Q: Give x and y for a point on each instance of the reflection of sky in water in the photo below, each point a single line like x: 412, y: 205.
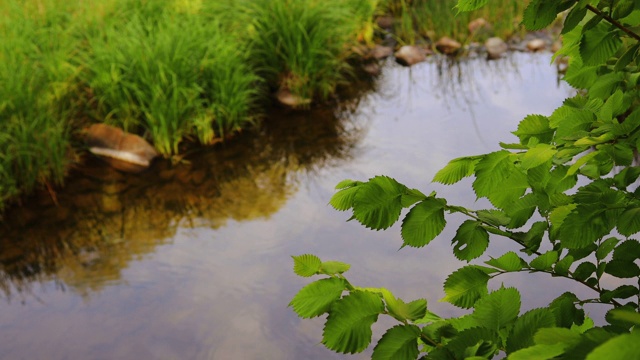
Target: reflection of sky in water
x: 223, y: 293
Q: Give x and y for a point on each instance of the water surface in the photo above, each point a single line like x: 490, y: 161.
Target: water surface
x: 192, y: 261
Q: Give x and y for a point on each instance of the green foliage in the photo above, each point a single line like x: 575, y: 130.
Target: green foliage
x: 575, y: 171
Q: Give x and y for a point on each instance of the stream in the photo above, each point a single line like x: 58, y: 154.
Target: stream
x: 192, y: 261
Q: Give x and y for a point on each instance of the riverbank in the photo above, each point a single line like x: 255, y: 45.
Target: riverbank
x: 175, y: 73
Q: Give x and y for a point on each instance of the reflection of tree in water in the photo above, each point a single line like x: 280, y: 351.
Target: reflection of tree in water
x: 104, y: 220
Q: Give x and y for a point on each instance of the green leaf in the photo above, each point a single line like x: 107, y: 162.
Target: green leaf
x: 606, y: 85
x: 626, y: 177
x: 538, y: 352
x: 343, y: 199
x: 456, y: 170
x: 534, y: 126
x: 625, y: 315
x: 411, y: 196
x: 557, y: 335
x: 347, y: 184
x: 538, y: 155
x: 498, y: 178
x: 377, y: 204
x: 526, y: 326
x: 622, y: 269
x: 423, y: 222
x: 565, y: 310
x: 585, y: 225
x: 628, y: 250
x: 477, y: 341
x: 606, y: 247
x: 629, y: 222
x: 471, y: 240
x: 470, y: 5
x: 584, y: 270
x: 627, y: 57
x: 465, y: 286
x: 621, y: 292
x: 612, y: 107
x: 562, y: 266
x: 510, y: 261
x: 583, y: 160
x: 306, y: 265
x: 574, y: 17
x: 399, y: 342
x: 498, y: 309
x: 626, y: 346
x: 581, y: 76
x: 539, y: 14
x: 333, y: 267
x: 348, y: 326
x: 545, y: 261
x: 493, y: 217
x: 317, y: 297
x: 402, y: 311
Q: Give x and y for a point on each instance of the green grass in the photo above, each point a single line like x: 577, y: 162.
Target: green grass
x: 437, y: 18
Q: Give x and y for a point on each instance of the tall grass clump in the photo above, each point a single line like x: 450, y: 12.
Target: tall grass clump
x: 170, y: 74
x: 303, y: 45
x: 37, y: 87
x: 429, y: 18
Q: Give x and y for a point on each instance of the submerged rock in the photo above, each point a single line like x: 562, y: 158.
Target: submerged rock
x: 123, y: 151
x: 380, y: 52
x: 409, y: 55
x: 287, y: 98
x: 495, y: 47
x: 536, y: 45
x: 448, y: 46
x: 372, y: 68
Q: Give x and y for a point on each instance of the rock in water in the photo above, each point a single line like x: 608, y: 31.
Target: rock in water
x: 495, y: 47
x: 287, y: 98
x: 409, y: 55
x: 536, y: 45
x: 123, y: 151
x: 380, y: 52
x: 448, y: 46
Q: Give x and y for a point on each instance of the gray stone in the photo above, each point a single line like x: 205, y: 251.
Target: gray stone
x: 409, y: 55
x: 495, y: 47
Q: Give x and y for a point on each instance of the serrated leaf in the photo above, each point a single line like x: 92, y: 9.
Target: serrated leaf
x: 317, y: 297
x: 534, y: 126
x: 584, y: 225
x: 494, y: 217
x: 456, y: 170
x: 562, y: 266
x: 333, y: 267
x: 348, y: 326
x: 621, y: 292
x: 584, y: 270
x: 498, y: 309
x: 538, y: 352
x: 622, y: 269
x: 606, y: 247
x: 465, y: 286
x: 306, y: 265
x: 574, y: 17
x: 499, y: 180
x: 402, y: 311
x: 477, y: 341
x: 539, y: 14
x: 557, y: 335
x: 399, y: 342
x: 625, y: 315
x: 510, y: 261
x: 423, y: 223
x: 347, y: 183
x: 377, y: 204
x: 470, y: 5
x: 538, y: 155
x: 612, y: 107
x: 526, y: 326
x: 626, y: 346
x: 411, y: 196
x: 565, y: 310
x: 606, y: 85
x: 545, y: 261
x: 629, y: 222
x: 581, y: 76
x: 471, y: 240
x: 628, y: 250
x: 580, y: 162
x: 627, y: 57
x: 343, y: 199
x: 626, y: 177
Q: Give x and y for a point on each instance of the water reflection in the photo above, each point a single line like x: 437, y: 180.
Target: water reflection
x: 192, y: 261
x: 104, y: 219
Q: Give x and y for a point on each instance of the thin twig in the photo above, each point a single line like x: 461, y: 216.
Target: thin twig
x: 613, y: 21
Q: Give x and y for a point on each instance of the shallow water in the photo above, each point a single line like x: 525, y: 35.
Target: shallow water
x: 193, y: 261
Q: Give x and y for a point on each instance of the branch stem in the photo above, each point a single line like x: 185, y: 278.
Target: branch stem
x: 613, y: 21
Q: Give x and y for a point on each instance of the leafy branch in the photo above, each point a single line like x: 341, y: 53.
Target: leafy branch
x: 594, y: 137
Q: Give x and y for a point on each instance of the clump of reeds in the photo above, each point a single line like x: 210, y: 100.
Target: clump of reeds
x: 303, y: 45
x: 170, y: 74
x: 427, y: 18
x: 37, y: 83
